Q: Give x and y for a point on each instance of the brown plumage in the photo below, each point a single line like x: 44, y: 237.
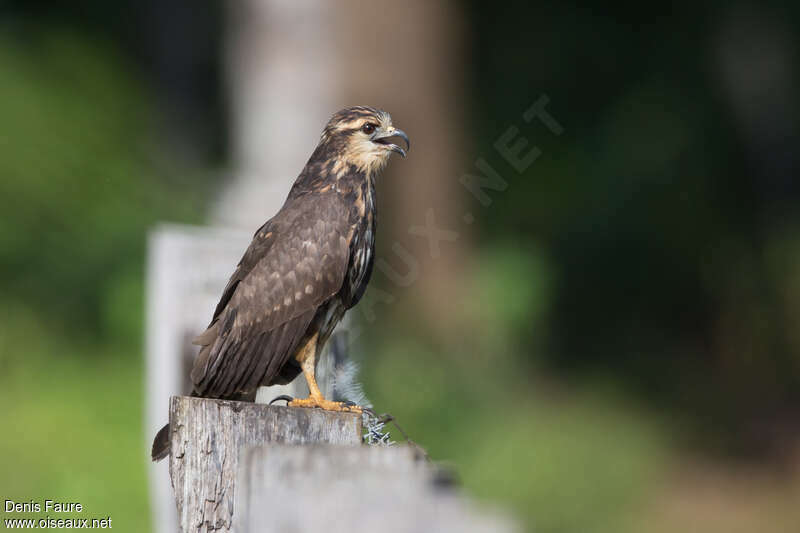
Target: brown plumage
x: 305, y: 267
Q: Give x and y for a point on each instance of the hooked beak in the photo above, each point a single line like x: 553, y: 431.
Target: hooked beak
x: 382, y: 136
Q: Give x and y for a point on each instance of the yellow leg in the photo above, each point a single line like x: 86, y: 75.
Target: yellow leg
x: 307, y: 356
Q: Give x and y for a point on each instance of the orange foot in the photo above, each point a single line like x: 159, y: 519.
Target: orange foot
x: 327, y: 405
x: 321, y: 403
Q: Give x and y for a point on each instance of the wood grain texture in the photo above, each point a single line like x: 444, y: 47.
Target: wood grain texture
x: 334, y: 489
x: 207, y: 436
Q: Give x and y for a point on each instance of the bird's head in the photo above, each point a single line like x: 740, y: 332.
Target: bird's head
x: 363, y: 137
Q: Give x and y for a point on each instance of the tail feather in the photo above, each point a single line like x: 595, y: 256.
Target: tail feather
x: 161, y: 444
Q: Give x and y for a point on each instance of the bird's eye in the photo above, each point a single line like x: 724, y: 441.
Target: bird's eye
x: 368, y: 128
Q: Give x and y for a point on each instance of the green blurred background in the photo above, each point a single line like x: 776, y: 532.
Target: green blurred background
x: 620, y: 349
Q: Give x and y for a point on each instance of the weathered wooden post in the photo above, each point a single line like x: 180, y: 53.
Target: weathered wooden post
x: 253, y: 468
x: 208, y: 436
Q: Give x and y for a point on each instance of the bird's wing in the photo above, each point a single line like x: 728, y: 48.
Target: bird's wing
x: 296, y: 262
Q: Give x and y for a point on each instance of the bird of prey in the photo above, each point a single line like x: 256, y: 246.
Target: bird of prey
x: 305, y: 267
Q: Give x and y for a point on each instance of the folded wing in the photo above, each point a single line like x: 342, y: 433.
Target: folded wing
x: 296, y: 262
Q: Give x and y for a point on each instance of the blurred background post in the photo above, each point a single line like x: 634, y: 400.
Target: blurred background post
x: 286, y: 66
x: 275, y: 63
x: 595, y: 324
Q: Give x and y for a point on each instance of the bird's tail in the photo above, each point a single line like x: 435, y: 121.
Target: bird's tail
x: 161, y: 444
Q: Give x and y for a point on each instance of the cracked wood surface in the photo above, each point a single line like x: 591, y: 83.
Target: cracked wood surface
x: 208, y: 435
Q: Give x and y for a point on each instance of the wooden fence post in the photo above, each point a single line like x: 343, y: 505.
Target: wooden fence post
x: 207, y: 436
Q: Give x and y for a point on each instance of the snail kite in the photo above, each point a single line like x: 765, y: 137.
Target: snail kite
x: 305, y: 267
